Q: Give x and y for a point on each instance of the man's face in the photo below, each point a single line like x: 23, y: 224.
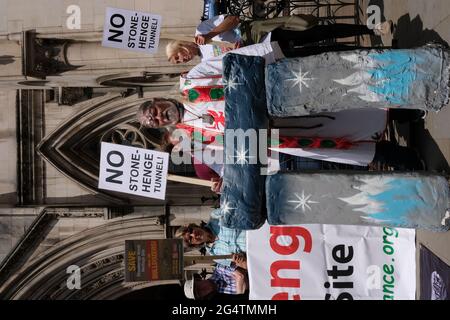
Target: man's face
x: 162, y: 113
x: 196, y: 236
x: 182, y: 56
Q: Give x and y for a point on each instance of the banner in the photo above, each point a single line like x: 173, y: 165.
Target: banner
x: 131, y: 30
x: 152, y: 260
x: 133, y: 170
x: 331, y: 262
x: 434, y: 277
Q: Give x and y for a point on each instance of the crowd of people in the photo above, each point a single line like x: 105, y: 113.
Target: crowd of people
x: 198, y: 110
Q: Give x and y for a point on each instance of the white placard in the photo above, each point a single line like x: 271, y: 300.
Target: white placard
x: 328, y: 262
x: 133, y: 170
x: 131, y: 30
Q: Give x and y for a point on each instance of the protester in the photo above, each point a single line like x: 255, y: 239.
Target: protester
x: 296, y: 35
x: 179, y: 51
x: 212, y: 66
x: 217, y: 240
x: 300, y: 29
x: 227, y: 280
x: 183, y: 51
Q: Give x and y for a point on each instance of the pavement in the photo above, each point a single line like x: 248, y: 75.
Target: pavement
x: 417, y: 23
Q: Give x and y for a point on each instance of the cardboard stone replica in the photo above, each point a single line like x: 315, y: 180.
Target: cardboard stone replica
x: 406, y: 78
x: 416, y: 79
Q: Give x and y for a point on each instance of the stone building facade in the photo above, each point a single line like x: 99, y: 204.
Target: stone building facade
x: 61, y: 94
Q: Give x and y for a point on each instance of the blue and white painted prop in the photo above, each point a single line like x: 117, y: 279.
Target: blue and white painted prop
x: 242, y: 203
x: 410, y: 79
x: 411, y: 200
x: 404, y: 200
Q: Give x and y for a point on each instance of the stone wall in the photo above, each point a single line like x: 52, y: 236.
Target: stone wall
x: 8, y: 148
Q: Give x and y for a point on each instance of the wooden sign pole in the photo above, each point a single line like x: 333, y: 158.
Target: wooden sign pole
x: 189, y: 39
x: 199, y: 262
x: 189, y: 180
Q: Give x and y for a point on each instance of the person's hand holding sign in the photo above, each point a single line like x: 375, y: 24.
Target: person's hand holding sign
x: 228, y: 24
x: 241, y: 279
x: 240, y: 260
x: 217, y: 185
x: 202, y: 39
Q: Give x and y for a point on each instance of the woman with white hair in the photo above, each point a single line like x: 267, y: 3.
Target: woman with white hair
x: 178, y: 51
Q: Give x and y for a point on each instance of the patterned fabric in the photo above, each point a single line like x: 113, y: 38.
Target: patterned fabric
x: 201, y: 135
x: 224, y: 278
x: 213, y: 223
x: 314, y: 143
x: 228, y: 241
x: 203, y: 94
x: 187, y: 83
x: 204, y: 117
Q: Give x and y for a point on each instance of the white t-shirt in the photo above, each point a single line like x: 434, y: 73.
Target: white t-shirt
x: 271, y: 52
x: 210, y: 51
x: 208, y: 25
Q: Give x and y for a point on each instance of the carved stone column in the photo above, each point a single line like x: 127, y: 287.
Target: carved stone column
x: 44, y: 57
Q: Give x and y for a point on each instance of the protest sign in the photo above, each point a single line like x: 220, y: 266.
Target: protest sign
x: 131, y: 30
x: 133, y: 170
x: 331, y: 262
x: 153, y: 260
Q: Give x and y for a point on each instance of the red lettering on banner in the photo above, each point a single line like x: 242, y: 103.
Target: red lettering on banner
x: 283, y: 282
x: 285, y: 296
x: 293, y: 233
